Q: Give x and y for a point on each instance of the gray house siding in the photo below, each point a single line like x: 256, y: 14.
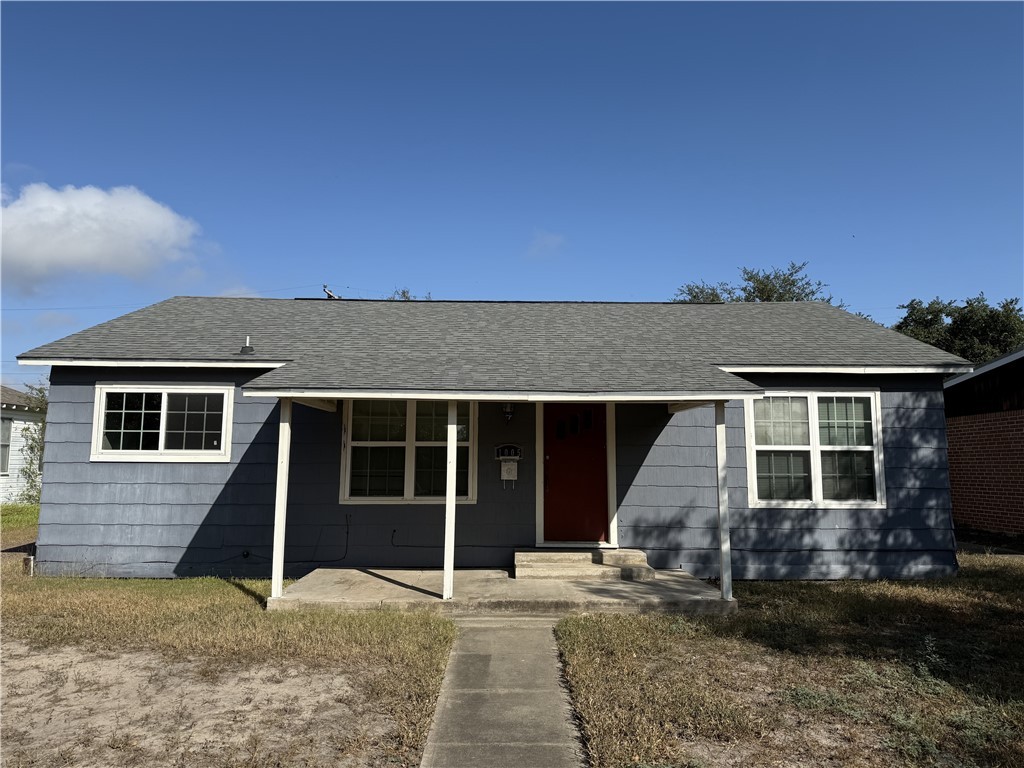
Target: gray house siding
x: 151, y: 519
x: 184, y: 519
x: 667, y: 495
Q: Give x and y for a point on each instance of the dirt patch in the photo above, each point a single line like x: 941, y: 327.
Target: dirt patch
x: 67, y: 706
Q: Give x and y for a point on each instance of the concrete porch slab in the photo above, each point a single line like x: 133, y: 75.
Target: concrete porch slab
x: 490, y: 591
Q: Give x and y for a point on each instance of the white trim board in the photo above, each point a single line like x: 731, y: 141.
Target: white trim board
x: 854, y: 369
x: 505, y: 397
x: 83, y: 363
x: 991, y: 365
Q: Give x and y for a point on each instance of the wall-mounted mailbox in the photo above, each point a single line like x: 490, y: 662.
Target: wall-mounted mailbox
x: 509, y: 455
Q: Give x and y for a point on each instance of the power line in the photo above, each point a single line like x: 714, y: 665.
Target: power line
x: 47, y: 309
x: 137, y: 306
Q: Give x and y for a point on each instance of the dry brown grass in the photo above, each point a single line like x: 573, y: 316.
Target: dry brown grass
x: 219, y: 630
x: 18, y: 524
x: 837, y: 673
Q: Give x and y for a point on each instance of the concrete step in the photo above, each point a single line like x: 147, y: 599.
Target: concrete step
x: 637, y: 572
x: 573, y: 571
x: 554, y: 556
x: 621, y: 557
x: 584, y: 564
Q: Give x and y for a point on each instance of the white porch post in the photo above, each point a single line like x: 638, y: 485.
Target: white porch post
x: 284, y: 444
x: 449, y: 503
x: 723, y: 502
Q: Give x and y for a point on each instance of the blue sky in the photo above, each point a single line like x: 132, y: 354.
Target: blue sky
x: 503, y: 151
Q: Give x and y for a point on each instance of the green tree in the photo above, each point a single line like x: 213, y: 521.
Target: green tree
x: 404, y: 294
x: 776, y: 284
x: 976, y: 330
x: 35, y: 437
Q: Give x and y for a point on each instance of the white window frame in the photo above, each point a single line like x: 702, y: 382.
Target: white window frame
x: 410, y: 443
x: 6, y: 471
x: 99, y: 453
x: 817, y: 500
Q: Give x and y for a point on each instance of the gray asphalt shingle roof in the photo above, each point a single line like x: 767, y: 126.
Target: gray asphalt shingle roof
x: 496, y: 346
x: 16, y: 399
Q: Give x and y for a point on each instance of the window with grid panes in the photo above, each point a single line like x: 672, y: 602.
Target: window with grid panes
x: 847, y: 448
x: 398, y: 449
x: 150, y: 422
x: 816, y: 447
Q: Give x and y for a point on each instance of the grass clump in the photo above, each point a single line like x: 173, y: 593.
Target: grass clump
x: 812, y: 673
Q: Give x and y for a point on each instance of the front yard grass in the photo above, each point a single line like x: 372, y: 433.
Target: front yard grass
x: 196, y: 636
x: 826, y: 674
x: 18, y: 523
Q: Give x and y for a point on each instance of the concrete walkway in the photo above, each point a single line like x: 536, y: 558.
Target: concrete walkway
x: 502, y: 704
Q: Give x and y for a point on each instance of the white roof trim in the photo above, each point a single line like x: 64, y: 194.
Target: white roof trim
x: 991, y: 365
x: 857, y: 369
x: 152, y: 363
x: 514, y: 397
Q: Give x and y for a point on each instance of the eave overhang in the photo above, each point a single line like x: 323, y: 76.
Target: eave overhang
x: 91, y: 362
x: 945, y: 368
x: 507, y: 396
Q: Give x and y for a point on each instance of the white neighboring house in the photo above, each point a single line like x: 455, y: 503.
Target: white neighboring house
x: 16, y: 413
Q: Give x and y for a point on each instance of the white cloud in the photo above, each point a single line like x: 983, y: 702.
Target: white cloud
x: 48, y: 233
x: 545, y: 245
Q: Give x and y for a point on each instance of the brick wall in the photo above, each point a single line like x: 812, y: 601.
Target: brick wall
x: 986, y: 470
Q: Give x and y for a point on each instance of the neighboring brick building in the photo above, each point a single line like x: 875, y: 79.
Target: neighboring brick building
x: 985, y: 430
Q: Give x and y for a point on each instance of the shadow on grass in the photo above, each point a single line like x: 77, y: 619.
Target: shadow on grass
x: 20, y: 549
x: 248, y: 591
x: 967, y: 631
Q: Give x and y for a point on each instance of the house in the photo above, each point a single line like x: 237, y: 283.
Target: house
x: 985, y: 418
x: 19, y: 412
x: 268, y: 437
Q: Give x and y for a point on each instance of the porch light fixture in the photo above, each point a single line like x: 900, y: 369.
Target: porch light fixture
x: 508, y: 409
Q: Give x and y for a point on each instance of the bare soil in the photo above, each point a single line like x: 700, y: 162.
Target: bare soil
x: 69, y: 706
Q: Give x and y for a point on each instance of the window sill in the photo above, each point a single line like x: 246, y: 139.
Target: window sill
x: 162, y: 458
x: 824, y: 504
x: 397, y: 500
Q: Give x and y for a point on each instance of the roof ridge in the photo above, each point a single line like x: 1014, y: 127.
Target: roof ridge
x: 400, y: 302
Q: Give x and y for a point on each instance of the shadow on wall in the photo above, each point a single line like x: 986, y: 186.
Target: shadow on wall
x: 236, y: 536
x: 667, y: 498
x: 666, y: 492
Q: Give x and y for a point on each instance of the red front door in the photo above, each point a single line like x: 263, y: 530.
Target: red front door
x: 575, y: 472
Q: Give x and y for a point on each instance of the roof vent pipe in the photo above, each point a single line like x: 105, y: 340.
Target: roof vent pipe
x: 247, y: 349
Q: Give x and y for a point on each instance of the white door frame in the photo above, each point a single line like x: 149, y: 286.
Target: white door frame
x: 613, y: 507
